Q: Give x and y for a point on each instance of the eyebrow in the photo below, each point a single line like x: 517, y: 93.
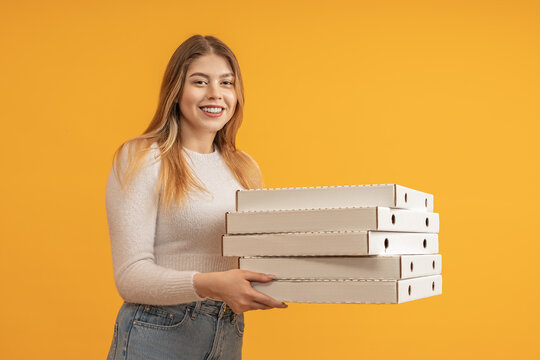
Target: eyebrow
x: 206, y: 76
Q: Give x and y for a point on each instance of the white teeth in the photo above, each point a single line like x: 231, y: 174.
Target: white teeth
x: 212, y: 110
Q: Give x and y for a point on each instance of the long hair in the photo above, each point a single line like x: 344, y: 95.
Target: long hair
x: 176, y: 178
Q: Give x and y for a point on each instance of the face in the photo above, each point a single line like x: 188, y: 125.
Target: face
x: 208, y: 100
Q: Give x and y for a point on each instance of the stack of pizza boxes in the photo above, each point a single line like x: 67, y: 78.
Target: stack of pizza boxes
x: 338, y: 244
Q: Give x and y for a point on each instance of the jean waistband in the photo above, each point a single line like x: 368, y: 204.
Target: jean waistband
x: 211, y: 307
x: 208, y: 306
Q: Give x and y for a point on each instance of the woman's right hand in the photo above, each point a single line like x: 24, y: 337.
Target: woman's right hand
x: 234, y: 288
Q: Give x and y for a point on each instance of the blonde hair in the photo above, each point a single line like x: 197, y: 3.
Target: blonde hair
x: 175, y: 178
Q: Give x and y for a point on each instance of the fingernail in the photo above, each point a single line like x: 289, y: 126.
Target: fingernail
x: 284, y: 305
x: 271, y: 276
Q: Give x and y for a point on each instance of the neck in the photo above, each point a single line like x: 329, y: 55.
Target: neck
x: 199, y: 142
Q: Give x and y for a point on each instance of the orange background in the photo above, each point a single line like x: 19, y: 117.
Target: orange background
x: 440, y: 96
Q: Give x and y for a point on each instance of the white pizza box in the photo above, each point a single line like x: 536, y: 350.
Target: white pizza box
x: 346, y: 267
x: 330, y: 243
x: 331, y: 219
x: 352, y: 291
x: 387, y: 195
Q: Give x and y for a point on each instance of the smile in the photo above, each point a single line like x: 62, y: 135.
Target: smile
x: 212, y: 111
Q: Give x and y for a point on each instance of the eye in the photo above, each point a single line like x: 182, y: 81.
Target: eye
x: 228, y: 82
x: 198, y: 82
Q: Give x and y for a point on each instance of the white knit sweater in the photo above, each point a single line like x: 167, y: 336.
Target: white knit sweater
x: 156, y: 255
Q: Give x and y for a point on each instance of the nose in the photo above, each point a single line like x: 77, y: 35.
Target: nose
x: 213, y: 91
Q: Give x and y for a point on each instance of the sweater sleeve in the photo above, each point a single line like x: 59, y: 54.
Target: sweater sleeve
x: 131, y: 217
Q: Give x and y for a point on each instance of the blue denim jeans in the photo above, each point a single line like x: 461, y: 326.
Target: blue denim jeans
x: 199, y: 330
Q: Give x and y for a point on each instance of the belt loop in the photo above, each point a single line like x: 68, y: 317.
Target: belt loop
x: 222, y: 310
x: 196, y: 310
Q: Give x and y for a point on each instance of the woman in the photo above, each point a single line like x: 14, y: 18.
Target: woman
x: 166, y: 199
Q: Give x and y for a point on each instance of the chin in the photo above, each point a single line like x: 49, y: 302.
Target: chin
x: 216, y: 127
x: 213, y: 129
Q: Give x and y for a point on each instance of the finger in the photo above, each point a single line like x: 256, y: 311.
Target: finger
x: 252, y: 306
x: 267, y: 300
x: 258, y: 277
x: 259, y: 306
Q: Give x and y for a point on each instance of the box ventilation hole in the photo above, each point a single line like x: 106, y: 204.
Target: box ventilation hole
x: 433, y: 286
x: 405, y: 197
x: 410, y: 289
x: 427, y: 222
x: 433, y: 264
x: 424, y: 243
x: 393, y: 219
x: 411, y: 266
x: 425, y: 202
x: 386, y: 243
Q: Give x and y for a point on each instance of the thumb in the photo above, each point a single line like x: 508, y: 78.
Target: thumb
x: 259, y: 277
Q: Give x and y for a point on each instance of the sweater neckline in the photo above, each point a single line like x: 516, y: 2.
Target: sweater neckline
x: 202, y: 156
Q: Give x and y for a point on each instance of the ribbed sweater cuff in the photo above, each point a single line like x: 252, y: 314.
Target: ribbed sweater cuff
x: 197, y: 262
x: 183, y: 289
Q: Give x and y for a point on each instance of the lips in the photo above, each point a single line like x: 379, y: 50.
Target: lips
x: 212, y: 106
x: 212, y: 114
